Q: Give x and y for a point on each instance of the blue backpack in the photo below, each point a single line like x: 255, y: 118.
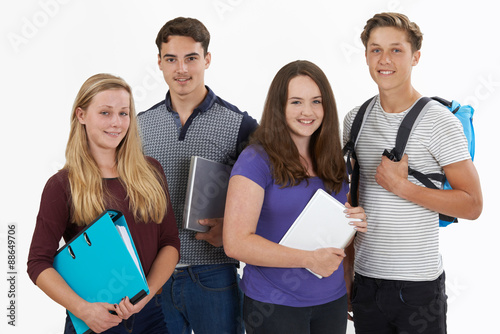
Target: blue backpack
x: 409, y: 122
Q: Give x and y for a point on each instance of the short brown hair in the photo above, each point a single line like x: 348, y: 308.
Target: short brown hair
x: 396, y: 20
x: 184, y: 26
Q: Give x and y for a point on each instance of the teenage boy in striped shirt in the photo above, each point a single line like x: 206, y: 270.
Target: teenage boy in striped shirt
x: 397, y: 278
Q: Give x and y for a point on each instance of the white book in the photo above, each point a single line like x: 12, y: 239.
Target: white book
x: 205, y: 193
x: 321, y: 224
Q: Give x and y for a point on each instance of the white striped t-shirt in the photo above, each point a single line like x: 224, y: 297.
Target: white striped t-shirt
x: 402, y: 242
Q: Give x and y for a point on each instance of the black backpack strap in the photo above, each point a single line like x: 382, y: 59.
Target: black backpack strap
x: 448, y: 218
x: 357, y: 124
x: 408, y: 124
x: 425, y: 179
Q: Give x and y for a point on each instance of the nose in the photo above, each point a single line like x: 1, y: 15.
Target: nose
x: 386, y: 58
x: 181, y: 66
x: 116, y: 120
x: 307, y: 109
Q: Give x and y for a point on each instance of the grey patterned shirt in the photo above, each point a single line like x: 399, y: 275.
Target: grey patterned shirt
x: 216, y: 130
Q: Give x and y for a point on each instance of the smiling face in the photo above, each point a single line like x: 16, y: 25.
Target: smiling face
x: 106, y: 120
x: 304, y: 108
x: 183, y: 63
x: 390, y: 59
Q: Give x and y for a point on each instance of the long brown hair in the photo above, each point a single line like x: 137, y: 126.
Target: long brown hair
x: 274, y: 136
x: 142, y: 180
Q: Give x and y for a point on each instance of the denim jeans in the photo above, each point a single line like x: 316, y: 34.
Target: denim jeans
x: 265, y: 318
x: 205, y: 299
x: 149, y: 320
x: 404, y: 307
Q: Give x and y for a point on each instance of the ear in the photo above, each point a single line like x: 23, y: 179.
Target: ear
x: 208, y: 60
x: 159, y: 61
x: 80, y: 115
x: 416, y: 58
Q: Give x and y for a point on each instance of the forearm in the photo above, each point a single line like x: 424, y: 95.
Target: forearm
x: 256, y: 250
x: 54, y: 286
x: 162, y: 268
x: 463, y: 201
x: 454, y: 202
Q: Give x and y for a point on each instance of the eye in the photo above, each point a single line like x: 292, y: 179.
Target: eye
x: 124, y: 113
x: 104, y: 113
x: 317, y: 101
x: 295, y: 102
x: 170, y: 60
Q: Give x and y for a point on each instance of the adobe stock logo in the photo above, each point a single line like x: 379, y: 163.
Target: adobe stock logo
x: 224, y: 6
x: 152, y: 80
x: 117, y: 283
x: 31, y: 26
x: 355, y: 48
x: 486, y: 88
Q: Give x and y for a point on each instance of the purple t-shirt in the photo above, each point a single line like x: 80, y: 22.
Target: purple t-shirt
x: 284, y: 286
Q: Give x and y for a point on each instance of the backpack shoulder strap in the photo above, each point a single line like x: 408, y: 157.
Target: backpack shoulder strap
x: 408, y: 124
x: 357, y: 124
x: 360, y: 118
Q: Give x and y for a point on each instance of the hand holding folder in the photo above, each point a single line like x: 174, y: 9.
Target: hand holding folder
x: 101, y: 264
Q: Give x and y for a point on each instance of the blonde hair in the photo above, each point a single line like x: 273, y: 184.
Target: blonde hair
x: 143, y: 182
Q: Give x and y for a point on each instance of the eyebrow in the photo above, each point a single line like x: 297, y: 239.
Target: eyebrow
x: 301, y: 98
x: 392, y: 44
x: 108, y: 106
x: 175, y: 56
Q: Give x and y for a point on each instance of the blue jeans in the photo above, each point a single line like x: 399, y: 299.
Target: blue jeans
x: 205, y: 299
x: 149, y: 320
x: 265, y: 318
x: 405, y: 307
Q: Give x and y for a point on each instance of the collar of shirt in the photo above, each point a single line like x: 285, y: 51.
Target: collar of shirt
x: 207, y: 103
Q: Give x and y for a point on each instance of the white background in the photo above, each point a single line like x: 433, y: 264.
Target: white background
x: 49, y: 47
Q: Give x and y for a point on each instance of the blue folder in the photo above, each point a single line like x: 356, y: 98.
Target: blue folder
x: 99, y: 265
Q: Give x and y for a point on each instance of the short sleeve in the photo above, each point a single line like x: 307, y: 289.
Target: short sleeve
x: 448, y: 143
x: 253, y: 163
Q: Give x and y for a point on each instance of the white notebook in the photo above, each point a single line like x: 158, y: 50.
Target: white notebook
x: 321, y: 224
x: 205, y: 193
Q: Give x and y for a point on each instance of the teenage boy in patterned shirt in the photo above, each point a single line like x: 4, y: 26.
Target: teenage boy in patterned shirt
x: 203, y: 294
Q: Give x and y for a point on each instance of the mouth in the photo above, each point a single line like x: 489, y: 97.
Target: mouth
x: 306, y: 121
x: 182, y: 80
x: 112, y: 134
x: 386, y: 72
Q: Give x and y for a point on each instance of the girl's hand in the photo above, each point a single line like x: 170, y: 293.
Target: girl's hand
x: 125, y: 309
x: 358, y: 213
x: 98, y: 317
x: 324, y: 261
